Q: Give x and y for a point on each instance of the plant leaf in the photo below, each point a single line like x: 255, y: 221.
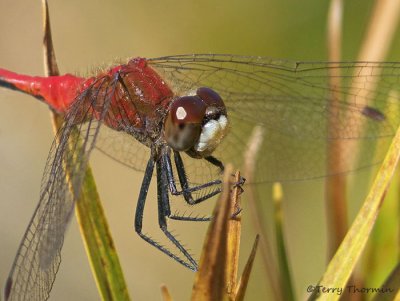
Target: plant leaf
x: 345, y: 259
x: 92, y: 222
x: 286, y: 278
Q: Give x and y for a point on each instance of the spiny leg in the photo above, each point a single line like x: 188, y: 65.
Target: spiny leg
x: 186, y: 190
x: 167, y: 166
x: 162, y: 210
x: 183, y: 178
x: 214, y: 161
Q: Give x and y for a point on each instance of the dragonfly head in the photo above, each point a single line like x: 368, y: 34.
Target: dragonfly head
x: 197, y: 123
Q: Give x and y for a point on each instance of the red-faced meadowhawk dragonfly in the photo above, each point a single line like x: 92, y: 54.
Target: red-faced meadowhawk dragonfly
x: 186, y: 116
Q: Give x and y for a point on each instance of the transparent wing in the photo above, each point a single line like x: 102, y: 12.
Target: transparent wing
x: 38, y: 258
x: 126, y: 150
x: 292, y: 101
x: 123, y: 148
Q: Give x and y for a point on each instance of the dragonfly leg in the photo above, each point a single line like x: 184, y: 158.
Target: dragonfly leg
x: 164, y: 212
x: 216, y: 162
x: 171, y: 179
x: 220, y: 165
x: 167, y: 167
x: 163, y: 208
x: 186, y: 190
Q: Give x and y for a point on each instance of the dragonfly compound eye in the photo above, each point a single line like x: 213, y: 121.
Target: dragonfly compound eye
x: 196, y: 124
x: 182, y: 127
x: 215, y: 104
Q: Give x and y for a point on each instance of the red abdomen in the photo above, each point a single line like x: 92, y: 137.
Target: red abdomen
x: 57, y: 91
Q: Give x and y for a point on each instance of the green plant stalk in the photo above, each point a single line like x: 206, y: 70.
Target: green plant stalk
x: 92, y: 221
x: 381, y: 252
x: 98, y: 243
x: 285, y: 276
x: 342, y: 265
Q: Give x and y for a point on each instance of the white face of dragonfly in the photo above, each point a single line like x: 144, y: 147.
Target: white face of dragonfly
x: 196, y: 124
x: 211, y: 134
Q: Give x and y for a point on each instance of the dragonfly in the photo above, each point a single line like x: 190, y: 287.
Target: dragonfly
x: 182, y: 118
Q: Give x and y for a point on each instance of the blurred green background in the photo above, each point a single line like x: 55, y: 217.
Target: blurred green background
x: 90, y: 33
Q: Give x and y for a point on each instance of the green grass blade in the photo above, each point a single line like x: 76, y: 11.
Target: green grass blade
x: 98, y: 243
x: 92, y: 221
x: 382, y: 250
x: 345, y: 259
x: 283, y: 260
